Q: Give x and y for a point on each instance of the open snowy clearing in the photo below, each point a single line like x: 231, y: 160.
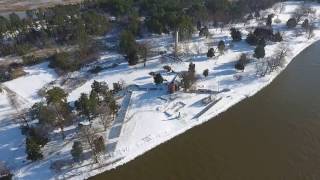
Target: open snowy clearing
x: 151, y: 116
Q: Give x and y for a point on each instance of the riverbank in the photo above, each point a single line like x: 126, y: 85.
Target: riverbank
x: 130, y: 151
x: 151, y: 116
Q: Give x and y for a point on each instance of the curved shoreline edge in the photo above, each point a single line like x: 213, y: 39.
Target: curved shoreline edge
x: 163, y: 139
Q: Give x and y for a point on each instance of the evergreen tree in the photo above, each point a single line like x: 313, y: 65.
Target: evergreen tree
x: 262, y: 42
x: 58, y: 108
x: 259, y: 52
x: 221, y: 47
x: 305, y: 25
x: 192, y: 68
x: 33, y: 150
x: 56, y: 95
x: 77, y: 151
x: 100, y: 87
x: 15, y: 21
x: 127, y: 43
x: 269, y: 19
x: 206, y: 73
x: 87, y: 105
x: 210, y: 53
x: 133, y: 58
x: 239, y: 66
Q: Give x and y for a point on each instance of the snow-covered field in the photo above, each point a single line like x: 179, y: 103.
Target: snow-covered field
x: 153, y: 116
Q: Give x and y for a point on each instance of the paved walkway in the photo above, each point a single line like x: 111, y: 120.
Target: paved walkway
x: 206, y: 108
x: 116, y: 128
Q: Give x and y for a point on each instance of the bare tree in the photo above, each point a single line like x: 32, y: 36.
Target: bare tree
x: 88, y: 135
x: 197, y: 47
x: 268, y: 65
x: 304, y: 10
x: 310, y: 31
x: 145, y: 49
x: 262, y: 68
x: 278, y: 59
x: 186, y: 47
x: 104, y: 115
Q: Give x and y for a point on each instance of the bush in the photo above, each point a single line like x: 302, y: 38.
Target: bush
x: 152, y: 73
x: 292, y: 23
x: 236, y: 34
x: 210, y: 53
x: 158, y: 79
x: 204, y: 32
x: 264, y: 32
x: 206, y: 73
x: 117, y: 87
x: 252, y: 39
x: 167, y: 68
x: 277, y: 37
x: 188, y: 79
x: 240, y: 65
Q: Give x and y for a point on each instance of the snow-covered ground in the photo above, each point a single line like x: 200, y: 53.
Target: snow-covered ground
x: 153, y: 116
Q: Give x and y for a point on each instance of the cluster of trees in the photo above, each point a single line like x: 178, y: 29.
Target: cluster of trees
x: 76, y: 24
x: 55, y: 112
x: 73, y: 60
x: 133, y: 51
x: 274, y: 62
x: 100, y: 103
x: 221, y: 48
x: 11, y: 71
x: 306, y: 12
x: 236, y: 34
x: 63, y: 24
x: 263, y: 34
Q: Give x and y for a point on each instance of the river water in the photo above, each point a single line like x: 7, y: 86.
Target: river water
x: 275, y: 135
